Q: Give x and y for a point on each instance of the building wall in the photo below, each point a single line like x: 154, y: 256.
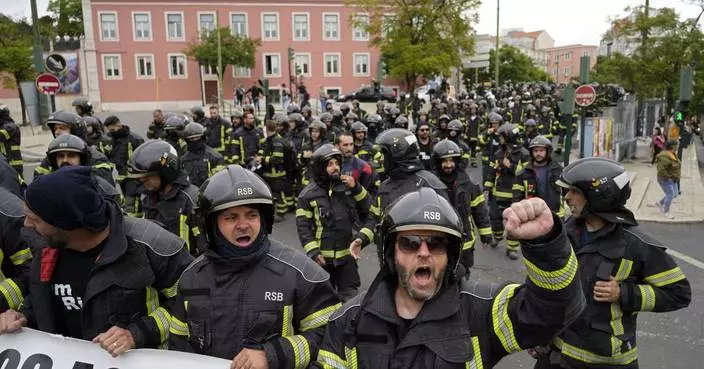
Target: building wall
x: 564, y: 61
x: 544, y: 41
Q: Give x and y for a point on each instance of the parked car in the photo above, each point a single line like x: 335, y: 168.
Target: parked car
x: 367, y: 94
x: 422, y: 93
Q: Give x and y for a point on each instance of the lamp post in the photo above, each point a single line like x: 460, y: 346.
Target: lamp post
x: 497, y: 53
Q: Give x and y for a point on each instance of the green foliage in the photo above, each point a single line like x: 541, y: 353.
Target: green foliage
x: 236, y: 50
x: 424, y: 38
x: 515, y: 66
x: 67, y: 17
x: 15, y: 52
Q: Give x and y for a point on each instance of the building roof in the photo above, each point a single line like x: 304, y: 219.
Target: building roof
x: 574, y: 46
x: 533, y: 34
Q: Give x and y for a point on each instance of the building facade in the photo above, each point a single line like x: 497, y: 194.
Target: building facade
x: 136, y: 50
x: 533, y: 44
x: 613, y: 41
x: 564, y: 61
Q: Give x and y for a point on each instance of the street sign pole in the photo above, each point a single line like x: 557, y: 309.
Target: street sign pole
x: 38, y: 60
x: 568, y: 95
x: 584, y: 79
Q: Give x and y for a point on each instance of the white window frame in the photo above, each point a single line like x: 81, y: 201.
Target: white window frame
x: 234, y: 75
x: 354, y: 65
x: 354, y: 29
x: 185, y: 66
x: 246, y: 23
x: 568, y: 72
x: 586, y: 53
x: 183, y: 26
x: 555, y: 71
x: 136, y: 66
x: 119, y: 66
x: 117, y: 26
x: 215, y: 23
x: 293, y: 26
x: 325, y: 38
x: 339, y: 65
x: 278, y: 27
x: 310, y: 64
x: 264, y: 55
x: 568, y: 56
x: 134, y: 27
x: 383, y: 17
x: 557, y: 57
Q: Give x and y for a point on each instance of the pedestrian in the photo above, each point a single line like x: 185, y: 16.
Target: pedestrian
x: 240, y: 94
x: 657, y: 144
x: 323, y: 97
x: 285, y: 97
x: 669, y: 167
x: 14, y: 271
x: 419, y: 313
x: 255, y: 94
x: 122, y: 145
x: 199, y: 161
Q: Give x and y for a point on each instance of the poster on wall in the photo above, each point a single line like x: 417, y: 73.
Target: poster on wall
x: 603, y: 137
x: 38, y: 350
x: 71, y: 77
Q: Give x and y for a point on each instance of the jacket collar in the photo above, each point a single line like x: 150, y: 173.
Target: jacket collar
x: 116, y: 243
x: 607, y: 241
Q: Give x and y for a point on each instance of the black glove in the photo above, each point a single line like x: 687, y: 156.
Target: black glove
x: 486, y: 239
x: 467, y: 260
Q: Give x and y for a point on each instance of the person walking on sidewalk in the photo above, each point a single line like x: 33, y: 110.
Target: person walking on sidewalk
x: 669, y: 167
x: 658, y: 144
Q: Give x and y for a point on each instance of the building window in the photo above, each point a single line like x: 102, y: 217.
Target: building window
x: 270, y: 26
x: 206, y: 23
x: 586, y: 53
x: 177, y: 66
x: 332, y: 92
x: 272, y: 65
x: 301, y: 63
x: 241, y: 72
x: 331, y: 26
x: 360, y: 32
x: 142, y: 26
x: 557, y: 57
x: 387, y: 24
x: 300, y: 27
x: 238, y: 23
x: 568, y: 56
x: 210, y: 70
x: 554, y: 71
x: 145, y: 66
x: 332, y: 65
x: 174, y: 27
x: 108, y: 27
x: 361, y: 65
x: 567, y: 71
x: 112, y: 66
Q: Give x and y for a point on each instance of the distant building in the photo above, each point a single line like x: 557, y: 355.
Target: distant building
x: 614, y: 42
x: 564, y: 61
x: 532, y: 44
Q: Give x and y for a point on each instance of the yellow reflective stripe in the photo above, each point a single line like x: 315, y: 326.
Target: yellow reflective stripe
x: 183, y: 230
x: 624, y: 270
x: 318, y: 318
x: 5, y: 133
x: 216, y: 169
x: 585, y: 356
x: 318, y: 225
x: 468, y: 245
x: 374, y: 209
x: 301, y: 351
x: 195, y: 231
x: 503, y: 328
x: 330, y: 360
x: 42, y: 170
x: 476, y: 362
x: 477, y: 201
x: 518, y: 187
x: 351, y: 356
x: 16, y: 162
x: 103, y: 166
x: 519, y: 166
x: 223, y: 138
x: 553, y: 280
x: 274, y: 174
x: 616, y: 323
x: 178, y: 327
x: 360, y: 196
x: 498, y: 193
x: 367, y: 232
x: 304, y: 213
x: 287, y: 327
x: 12, y: 293
x: 335, y: 254
x: 513, y: 245
x: 159, y: 314
x: 170, y: 292
x: 310, y: 246
x: 647, y: 297
x: 663, y: 278
x: 485, y: 231
x: 21, y: 257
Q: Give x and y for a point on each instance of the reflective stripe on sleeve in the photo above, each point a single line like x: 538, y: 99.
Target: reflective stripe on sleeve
x: 503, y: 327
x: 553, y: 280
x: 318, y: 318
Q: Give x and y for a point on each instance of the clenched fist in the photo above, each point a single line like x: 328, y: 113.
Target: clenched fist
x: 528, y: 219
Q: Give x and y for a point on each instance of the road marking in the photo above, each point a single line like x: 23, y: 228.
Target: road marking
x: 687, y: 258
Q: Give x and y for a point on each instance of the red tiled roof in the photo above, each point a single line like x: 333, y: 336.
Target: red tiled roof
x: 533, y: 34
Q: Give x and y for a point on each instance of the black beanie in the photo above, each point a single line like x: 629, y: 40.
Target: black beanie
x: 69, y: 199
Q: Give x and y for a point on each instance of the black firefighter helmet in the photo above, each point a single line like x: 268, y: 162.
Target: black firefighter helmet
x: 69, y: 143
x: 320, y: 160
x: 155, y: 157
x: 72, y: 120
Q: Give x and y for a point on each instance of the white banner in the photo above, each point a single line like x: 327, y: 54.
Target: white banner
x: 30, y: 349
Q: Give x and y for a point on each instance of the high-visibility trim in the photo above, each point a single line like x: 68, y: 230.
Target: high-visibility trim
x: 15, y: 148
x: 503, y: 327
x: 5, y: 133
x: 488, y: 184
x: 103, y: 166
x: 367, y: 232
x: 330, y: 360
x: 42, y: 170
x: 502, y: 194
x: 318, y: 318
x: 170, y: 292
x: 301, y: 351
x: 361, y: 195
x: 624, y: 270
x: 274, y: 174
x: 310, y: 246
x: 335, y: 254
x: 513, y: 245
x: 12, y: 293
x: 304, y: 213
x: 183, y: 230
x: 553, y: 280
x: 486, y: 231
x: 476, y: 362
x: 663, y: 278
x: 351, y: 356
x: 468, y: 245
x: 21, y: 257
x: 195, y: 231
x: 318, y: 224
x: 159, y: 314
x: 374, y: 209
x: 287, y: 327
x: 477, y: 201
x: 616, y: 323
x: 647, y: 297
x: 518, y: 187
x: 576, y: 353
x: 178, y: 327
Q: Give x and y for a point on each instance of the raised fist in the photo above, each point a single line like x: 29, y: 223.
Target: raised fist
x: 528, y: 219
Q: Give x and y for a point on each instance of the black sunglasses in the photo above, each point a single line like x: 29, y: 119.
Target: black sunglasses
x: 410, y: 244
x: 423, y: 130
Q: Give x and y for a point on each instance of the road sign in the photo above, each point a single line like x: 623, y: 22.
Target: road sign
x: 48, y: 83
x: 585, y: 95
x: 55, y: 63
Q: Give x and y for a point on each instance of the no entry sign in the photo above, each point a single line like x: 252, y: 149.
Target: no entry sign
x: 585, y: 95
x: 48, y: 83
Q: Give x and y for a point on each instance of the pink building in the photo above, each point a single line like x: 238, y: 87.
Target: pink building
x: 563, y: 61
x: 137, y: 49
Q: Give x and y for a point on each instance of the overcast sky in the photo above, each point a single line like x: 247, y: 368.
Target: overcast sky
x: 567, y: 21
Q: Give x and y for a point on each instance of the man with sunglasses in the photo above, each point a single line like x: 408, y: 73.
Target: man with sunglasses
x: 426, y: 142
x: 418, y: 313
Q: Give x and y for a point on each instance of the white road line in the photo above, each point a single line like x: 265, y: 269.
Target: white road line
x: 687, y: 258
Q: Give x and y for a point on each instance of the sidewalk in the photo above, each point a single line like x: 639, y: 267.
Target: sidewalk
x: 34, y: 144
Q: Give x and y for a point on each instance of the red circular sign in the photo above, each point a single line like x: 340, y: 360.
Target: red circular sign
x: 48, y: 83
x: 585, y: 95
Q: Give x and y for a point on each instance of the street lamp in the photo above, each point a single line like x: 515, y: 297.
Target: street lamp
x: 498, y: 59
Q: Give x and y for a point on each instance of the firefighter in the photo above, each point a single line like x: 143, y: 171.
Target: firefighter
x: 218, y: 133
x: 316, y: 139
x: 198, y: 115
x: 272, y: 300
x: 511, y: 158
x: 490, y: 142
x: 16, y: 255
x: 246, y: 142
x: 329, y: 208
x: 10, y: 179
x: 83, y: 107
x: 166, y: 195
x: 539, y: 177
x: 465, y: 196
x: 276, y: 156
x: 95, y: 135
x: 530, y: 131
x: 419, y: 313
x: 124, y: 142
x: 200, y: 161
x: 357, y: 109
x: 426, y: 142
x: 363, y: 148
x: 474, y: 122
x: 352, y: 166
x: 623, y: 270
x: 454, y: 134
x: 173, y: 132
x: 10, y: 140
x: 156, y: 126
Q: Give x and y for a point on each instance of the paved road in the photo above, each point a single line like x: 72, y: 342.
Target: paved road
x: 668, y: 341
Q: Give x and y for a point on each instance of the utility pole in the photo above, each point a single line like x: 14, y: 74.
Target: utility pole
x: 220, y: 102
x: 38, y: 57
x: 497, y: 60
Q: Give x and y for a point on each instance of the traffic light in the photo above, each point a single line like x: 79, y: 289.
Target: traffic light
x: 686, y: 79
x: 679, y: 116
x: 264, y: 83
x: 291, y: 54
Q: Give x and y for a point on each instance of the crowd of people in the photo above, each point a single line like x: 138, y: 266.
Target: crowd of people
x: 165, y: 242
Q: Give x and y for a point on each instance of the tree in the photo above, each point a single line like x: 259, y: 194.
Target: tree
x: 15, y: 54
x: 515, y: 66
x: 423, y: 38
x: 236, y: 50
x: 67, y: 16
x: 617, y: 69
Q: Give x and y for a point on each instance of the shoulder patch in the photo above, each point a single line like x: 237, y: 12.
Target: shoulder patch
x: 352, y: 303
x: 484, y: 291
x: 643, y: 236
x: 161, y: 241
x: 431, y: 180
x: 299, y: 261
x: 10, y: 205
